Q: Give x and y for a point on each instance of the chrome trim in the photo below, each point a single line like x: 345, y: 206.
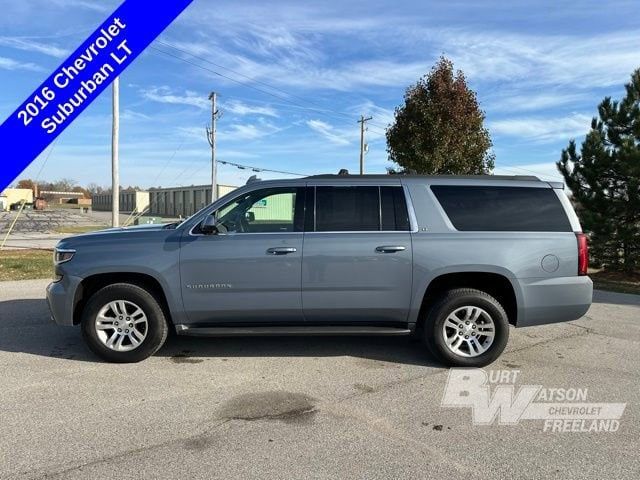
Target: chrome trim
x: 289, y: 330
x: 62, y: 250
x: 360, y: 231
x: 233, y: 234
x: 315, y: 208
x: 413, y: 220
x: 380, y: 207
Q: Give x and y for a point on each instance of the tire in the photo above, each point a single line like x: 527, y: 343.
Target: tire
x: 459, y: 318
x: 120, y: 304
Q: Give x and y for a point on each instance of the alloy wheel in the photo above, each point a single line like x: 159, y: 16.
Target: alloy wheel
x: 121, y: 325
x: 468, y: 331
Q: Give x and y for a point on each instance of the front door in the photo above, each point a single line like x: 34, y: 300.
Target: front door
x: 249, y: 273
x: 357, y: 263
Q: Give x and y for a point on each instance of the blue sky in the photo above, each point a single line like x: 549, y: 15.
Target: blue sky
x: 539, y: 68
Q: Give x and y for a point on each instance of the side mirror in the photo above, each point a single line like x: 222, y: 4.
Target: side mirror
x: 209, y: 226
x: 250, y: 216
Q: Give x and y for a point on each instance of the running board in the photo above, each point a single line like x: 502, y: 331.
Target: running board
x: 287, y: 331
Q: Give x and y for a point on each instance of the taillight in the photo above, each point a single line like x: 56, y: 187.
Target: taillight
x: 583, y: 254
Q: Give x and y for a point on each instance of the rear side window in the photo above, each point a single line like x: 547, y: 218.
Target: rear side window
x: 394, y: 209
x: 360, y: 208
x: 506, y: 209
x: 347, y: 209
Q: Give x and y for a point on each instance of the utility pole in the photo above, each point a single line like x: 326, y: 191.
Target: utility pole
x: 115, y: 171
x: 211, y: 137
x: 362, y: 123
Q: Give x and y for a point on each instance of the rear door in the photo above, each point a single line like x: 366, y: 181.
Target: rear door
x: 357, y: 262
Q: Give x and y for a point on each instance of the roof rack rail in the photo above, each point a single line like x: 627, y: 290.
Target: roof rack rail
x: 461, y: 177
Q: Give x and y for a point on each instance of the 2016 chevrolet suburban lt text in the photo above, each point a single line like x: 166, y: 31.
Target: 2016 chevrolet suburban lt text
x: 452, y: 260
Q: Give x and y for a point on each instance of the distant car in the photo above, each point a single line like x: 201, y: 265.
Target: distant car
x: 452, y: 260
x: 18, y: 206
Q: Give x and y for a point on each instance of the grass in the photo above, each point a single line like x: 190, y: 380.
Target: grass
x: 79, y: 228
x: 25, y: 264
x: 616, y: 281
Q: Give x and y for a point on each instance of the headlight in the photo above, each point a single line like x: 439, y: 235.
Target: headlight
x: 61, y: 255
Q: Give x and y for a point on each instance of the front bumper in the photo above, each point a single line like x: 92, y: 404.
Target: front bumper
x: 553, y: 300
x: 61, y: 299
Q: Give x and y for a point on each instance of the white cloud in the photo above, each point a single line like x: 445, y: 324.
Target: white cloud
x: 576, y: 61
x: 166, y: 95
x: 305, y: 47
x: 240, y: 108
x: 33, y: 46
x: 248, y: 131
x: 542, y: 130
x: 95, y: 6
x: 328, y: 132
x: 132, y: 115
x: 10, y: 64
x: 530, y: 101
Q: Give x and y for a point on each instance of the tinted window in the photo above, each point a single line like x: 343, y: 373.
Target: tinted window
x: 347, y: 209
x: 502, y: 208
x: 394, y: 209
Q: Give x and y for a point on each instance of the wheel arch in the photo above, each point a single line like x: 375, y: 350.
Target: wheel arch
x: 497, y: 284
x: 93, y: 283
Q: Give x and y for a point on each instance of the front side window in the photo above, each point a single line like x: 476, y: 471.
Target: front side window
x: 270, y: 210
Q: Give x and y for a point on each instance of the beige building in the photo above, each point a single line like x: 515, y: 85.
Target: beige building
x: 10, y: 196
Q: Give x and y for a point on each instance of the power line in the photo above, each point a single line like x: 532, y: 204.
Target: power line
x: 260, y: 169
x: 164, y: 167
x: 285, y: 98
x: 254, y: 80
x: 245, y: 84
x: 380, y: 129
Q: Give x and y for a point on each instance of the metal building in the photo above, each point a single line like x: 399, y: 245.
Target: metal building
x: 130, y: 201
x: 182, y: 201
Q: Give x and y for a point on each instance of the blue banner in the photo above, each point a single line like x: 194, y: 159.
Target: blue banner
x: 80, y: 79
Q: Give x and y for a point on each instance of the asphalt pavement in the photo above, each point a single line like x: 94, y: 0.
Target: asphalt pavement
x: 293, y: 407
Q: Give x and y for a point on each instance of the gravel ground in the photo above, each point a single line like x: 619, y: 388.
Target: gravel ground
x: 301, y: 407
x: 44, y: 221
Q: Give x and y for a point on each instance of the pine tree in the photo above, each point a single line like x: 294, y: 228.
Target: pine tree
x: 605, y: 180
x: 439, y: 129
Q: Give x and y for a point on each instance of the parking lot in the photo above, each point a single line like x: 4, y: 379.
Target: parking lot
x: 301, y: 407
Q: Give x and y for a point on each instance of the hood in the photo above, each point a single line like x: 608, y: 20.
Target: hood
x: 117, y: 233
x: 135, y: 228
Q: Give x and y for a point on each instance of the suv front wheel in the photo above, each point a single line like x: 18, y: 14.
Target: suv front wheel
x: 124, y: 323
x: 466, y: 328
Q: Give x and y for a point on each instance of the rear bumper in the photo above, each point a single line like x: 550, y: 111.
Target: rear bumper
x: 61, y: 299
x: 552, y: 300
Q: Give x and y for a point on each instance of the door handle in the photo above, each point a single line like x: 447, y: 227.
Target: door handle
x: 390, y: 248
x: 281, y: 250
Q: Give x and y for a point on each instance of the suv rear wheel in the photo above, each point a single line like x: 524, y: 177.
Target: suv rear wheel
x: 466, y: 328
x: 123, y: 323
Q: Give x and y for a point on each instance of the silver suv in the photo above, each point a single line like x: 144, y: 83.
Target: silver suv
x: 452, y: 260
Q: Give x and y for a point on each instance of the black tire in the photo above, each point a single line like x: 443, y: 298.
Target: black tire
x: 447, y: 304
x: 156, y: 330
